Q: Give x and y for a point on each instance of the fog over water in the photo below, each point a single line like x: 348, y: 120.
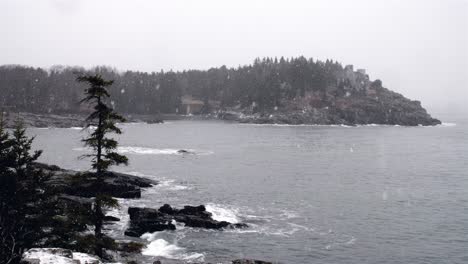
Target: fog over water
x: 418, y: 48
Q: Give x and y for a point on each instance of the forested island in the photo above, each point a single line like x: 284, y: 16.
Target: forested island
x: 271, y: 90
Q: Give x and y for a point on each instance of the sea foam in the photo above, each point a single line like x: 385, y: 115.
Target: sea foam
x: 447, y: 125
x: 159, y: 247
x: 154, y: 151
x: 220, y: 213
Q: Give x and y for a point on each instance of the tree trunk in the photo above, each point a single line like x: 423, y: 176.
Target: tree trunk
x: 98, y: 221
x: 98, y: 215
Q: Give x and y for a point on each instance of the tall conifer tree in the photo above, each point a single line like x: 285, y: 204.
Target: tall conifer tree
x: 104, y: 154
x: 23, y: 193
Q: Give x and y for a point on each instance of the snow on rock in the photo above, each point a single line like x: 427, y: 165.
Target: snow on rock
x: 58, y: 256
x: 86, y: 258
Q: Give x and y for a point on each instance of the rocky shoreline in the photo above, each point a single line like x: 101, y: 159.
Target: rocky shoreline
x: 41, y: 120
x: 386, y: 108
x: 144, y: 220
x: 76, y: 189
x: 359, y: 112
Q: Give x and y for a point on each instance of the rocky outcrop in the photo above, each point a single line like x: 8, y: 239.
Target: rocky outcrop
x: 83, y: 184
x: 377, y: 105
x: 143, y: 220
x: 184, y: 151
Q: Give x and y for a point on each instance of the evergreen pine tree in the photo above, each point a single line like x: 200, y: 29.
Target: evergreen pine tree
x: 7, y: 193
x: 23, y: 193
x: 104, y: 119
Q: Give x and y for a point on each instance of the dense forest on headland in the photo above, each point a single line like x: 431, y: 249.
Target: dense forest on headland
x: 325, y: 90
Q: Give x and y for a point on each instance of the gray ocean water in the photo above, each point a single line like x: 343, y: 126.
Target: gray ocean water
x: 311, y: 194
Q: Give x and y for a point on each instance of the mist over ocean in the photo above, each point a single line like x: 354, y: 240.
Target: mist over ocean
x: 310, y: 194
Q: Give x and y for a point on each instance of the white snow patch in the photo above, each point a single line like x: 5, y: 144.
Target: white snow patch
x: 59, y: 256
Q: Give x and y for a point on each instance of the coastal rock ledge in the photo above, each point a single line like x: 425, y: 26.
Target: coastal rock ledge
x: 82, y: 184
x: 143, y: 220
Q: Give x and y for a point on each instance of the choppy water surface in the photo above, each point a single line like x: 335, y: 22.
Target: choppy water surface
x: 311, y: 194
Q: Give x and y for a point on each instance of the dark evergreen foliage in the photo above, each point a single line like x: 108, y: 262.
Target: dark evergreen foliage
x: 103, y: 120
x: 25, y: 199
x: 265, y: 82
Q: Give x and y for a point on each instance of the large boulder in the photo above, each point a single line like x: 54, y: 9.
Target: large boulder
x: 143, y: 220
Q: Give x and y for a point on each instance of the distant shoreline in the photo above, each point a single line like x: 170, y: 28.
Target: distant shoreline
x: 77, y: 120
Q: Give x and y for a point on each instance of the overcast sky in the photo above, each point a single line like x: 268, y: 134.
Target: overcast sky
x: 416, y: 47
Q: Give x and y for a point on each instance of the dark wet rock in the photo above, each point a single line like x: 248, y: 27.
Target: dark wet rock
x: 166, y: 209
x: 83, y: 184
x: 155, y: 121
x: 109, y: 218
x: 184, y: 151
x: 144, y: 220
x: 250, y: 261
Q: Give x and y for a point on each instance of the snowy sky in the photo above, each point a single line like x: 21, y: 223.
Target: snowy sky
x: 417, y: 47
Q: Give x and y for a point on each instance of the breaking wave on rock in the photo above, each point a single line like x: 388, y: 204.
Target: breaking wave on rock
x: 159, y: 247
x: 220, y: 213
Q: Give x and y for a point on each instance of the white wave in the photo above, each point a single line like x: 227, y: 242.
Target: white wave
x: 155, y: 151
x: 220, y: 213
x: 171, y: 185
x: 292, y: 125
x: 351, y: 241
x: 447, y: 125
x: 76, y: 128
x: 288, y: 214
x: 152, y: 151
x: 319, y: 125
x: 161, y: 248
x: 310, y: 229
x: 168, y: 184
x: 120, y: 212
x: 139, y: 174
x: 269, y: 230
x: 147, y: 151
